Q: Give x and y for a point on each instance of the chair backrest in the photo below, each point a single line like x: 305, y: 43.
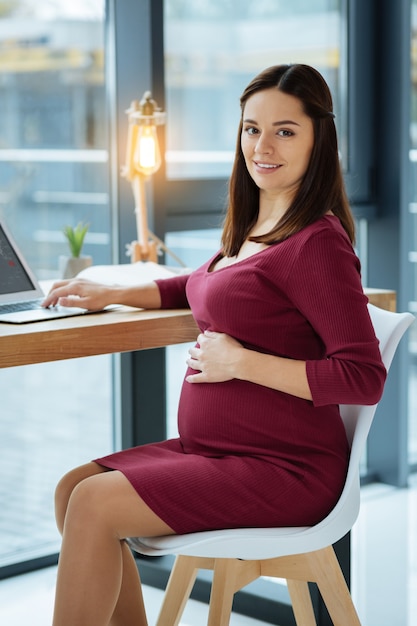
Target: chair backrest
x: 389, y: 328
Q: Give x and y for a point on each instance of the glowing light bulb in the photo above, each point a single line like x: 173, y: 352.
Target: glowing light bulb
x: 147, y: 157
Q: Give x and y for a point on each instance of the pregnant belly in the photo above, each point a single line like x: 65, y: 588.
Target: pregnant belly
x: 234, y: 417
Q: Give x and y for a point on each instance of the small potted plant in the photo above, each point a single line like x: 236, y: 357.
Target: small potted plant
x: 71, y: 266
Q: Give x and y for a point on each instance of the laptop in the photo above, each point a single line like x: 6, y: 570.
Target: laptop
x: 20, y: 292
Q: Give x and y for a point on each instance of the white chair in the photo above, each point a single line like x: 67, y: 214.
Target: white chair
x: 239, y: 556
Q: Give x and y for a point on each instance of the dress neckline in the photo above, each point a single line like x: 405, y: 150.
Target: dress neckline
x: 211, y: 268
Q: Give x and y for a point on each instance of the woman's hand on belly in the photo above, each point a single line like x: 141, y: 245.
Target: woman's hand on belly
x: 220, y: 357
x: 215, y: 359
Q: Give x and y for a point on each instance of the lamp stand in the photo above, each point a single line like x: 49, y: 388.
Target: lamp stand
x: 143, y: 249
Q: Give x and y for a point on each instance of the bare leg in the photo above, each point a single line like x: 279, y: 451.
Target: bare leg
x: 98, y: 583
x: 130, y: 608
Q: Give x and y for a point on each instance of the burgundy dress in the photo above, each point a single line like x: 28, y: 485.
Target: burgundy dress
x: 248, y: 455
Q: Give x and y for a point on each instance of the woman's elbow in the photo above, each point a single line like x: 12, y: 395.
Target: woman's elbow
x: 374, y: 387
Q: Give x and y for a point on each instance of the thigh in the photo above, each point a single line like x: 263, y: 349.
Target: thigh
x: 108, y: 499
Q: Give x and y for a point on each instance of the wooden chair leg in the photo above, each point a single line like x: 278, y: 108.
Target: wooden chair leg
x: 333, y: 589
x: 301, y: 603
x: 178, y: 590
x: 229, y: 575
x: 222, y: 592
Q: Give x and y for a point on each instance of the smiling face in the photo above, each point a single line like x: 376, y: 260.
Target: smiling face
x: 277, y: 140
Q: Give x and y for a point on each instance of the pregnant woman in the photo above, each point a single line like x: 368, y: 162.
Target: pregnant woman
x: 285, y: 337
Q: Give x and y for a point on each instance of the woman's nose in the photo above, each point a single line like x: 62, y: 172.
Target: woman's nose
x: 263, y: 145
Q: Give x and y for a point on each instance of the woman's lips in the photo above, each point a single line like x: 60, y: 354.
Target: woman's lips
x: 266, y: 167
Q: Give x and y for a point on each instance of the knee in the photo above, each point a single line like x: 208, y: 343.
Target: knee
x: 83, y: 503
x: 64, y: 490
x: 63, y: 493
x: 66, y: 486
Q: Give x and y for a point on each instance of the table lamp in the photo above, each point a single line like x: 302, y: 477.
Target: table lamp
x: 143, y: 158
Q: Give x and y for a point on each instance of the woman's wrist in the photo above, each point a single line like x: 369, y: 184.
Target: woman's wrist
x: 279, y: 373
x: 241, y: 364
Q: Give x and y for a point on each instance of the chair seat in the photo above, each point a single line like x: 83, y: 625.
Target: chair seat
x: 256, y: 543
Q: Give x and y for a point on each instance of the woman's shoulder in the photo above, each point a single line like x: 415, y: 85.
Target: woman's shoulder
x: 328, y: 224
x: 326, y: 229
x: 324, y: 241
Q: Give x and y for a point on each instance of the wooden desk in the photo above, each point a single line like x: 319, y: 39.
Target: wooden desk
x: 122, y: 330
x: 384, y: 298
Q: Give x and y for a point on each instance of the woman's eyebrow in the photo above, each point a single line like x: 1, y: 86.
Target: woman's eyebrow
x: 279, y: 123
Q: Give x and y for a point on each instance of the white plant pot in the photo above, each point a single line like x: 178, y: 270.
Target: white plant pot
x: 70, y: 266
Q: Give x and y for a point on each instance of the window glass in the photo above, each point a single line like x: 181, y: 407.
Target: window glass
x: 53, y: 133
x: 54, y: 416
x: 214, y: 48
x: 53, y: 172
x: 412, y: 233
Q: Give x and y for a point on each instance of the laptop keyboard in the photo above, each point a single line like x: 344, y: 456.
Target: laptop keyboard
x: 20, y: 306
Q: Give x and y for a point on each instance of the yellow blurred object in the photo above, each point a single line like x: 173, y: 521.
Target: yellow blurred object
x: 143, y: 158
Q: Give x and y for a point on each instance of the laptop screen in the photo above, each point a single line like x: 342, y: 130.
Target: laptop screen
x: 13, y: 276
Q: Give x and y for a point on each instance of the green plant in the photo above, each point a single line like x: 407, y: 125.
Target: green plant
x: 75, y: 237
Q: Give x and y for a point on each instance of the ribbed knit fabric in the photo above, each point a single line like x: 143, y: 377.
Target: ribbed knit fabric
x: 248, y: 455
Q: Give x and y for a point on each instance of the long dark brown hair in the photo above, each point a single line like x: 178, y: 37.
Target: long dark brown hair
x: 322, y: 188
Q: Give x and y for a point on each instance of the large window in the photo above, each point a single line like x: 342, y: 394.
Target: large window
x: 53, y: 172
x: 54, y: 169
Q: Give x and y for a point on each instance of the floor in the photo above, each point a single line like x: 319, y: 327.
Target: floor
x: 37, y: 589
x: 384, y: 571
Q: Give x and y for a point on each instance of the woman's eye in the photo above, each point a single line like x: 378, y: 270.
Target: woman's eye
x: 285, y: 133
x: 250, y: 130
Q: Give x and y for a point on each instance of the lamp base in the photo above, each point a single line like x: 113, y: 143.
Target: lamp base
x: 139, y: 252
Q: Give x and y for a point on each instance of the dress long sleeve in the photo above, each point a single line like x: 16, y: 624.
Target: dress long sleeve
x: 325, y: 285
